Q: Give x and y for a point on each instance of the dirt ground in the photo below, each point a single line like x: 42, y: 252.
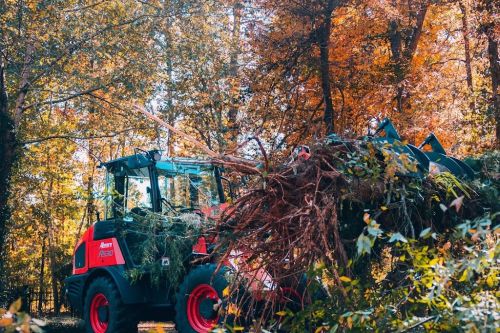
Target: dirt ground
x: 64, y: 324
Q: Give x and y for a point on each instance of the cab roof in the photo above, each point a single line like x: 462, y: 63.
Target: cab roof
x: 169, y: 165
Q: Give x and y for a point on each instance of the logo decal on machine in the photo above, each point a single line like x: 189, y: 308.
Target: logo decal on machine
x: 104, y: 253
x: 105, y: 245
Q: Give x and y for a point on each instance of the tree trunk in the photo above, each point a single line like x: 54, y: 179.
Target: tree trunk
x: 53, y: 270
x: 468, y: 63
x: 233, y: 128
x: 49, y: 222
x: 8, y: 145
x: 91, y: 209
x: 403, y: 49
x: 495, y: 78
x: 324, y: 47
x: 41, y: 279
x: 23, y: 84
x: 397, y: 63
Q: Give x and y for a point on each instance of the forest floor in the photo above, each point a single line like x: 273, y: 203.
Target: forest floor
x: 63, y: 324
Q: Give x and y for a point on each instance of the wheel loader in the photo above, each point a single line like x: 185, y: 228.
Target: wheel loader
x: 100, y: 288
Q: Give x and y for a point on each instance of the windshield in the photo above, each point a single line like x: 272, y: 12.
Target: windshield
x: 128, y: 192
x: 138, y: 193
x: 194, y: 191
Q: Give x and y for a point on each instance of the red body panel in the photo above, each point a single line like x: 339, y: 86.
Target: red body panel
x: 87, y: 236
x: 100, y: 253
x: 105, y: 252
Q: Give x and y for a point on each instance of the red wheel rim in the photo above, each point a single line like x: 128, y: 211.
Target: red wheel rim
x: 98, y: 301
x: 198, y: 321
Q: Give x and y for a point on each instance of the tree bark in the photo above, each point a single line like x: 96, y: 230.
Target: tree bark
x: 8, y: 145
x: 233, y: 128
x: 468, y: 62
x: 324, y: 46
x: 41, y: 279
x: 395, y: 41
x: 403, y: 48
x: 495, y: 79
x: 24, y: 84
x: 51, y: 235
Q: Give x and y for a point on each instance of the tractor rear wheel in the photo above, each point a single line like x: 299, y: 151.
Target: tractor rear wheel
x: 199, y: 299
x: 104, y: 310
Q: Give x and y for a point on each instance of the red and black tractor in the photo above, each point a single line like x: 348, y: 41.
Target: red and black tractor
x: 100, y: 288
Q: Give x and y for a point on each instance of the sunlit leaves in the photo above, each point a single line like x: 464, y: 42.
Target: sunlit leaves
x: 397, y: 237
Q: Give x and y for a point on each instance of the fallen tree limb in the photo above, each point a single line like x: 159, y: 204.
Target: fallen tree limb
x: 240, y: 164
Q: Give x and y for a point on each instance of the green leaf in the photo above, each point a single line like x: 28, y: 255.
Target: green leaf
x: 397, y: 237
x: 425, y: 232
x: 374, y: 231
x: 363, y: 244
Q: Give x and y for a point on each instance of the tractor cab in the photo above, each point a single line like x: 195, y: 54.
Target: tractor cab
x: 142, y: 183
x: 139, y: 187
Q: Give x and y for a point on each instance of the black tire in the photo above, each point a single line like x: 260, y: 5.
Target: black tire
x: 118, y: 316
x: 198, y: 279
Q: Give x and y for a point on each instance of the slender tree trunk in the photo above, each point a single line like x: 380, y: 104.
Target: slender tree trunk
x: 53, y: 270
x: 233, y: 128
x: 51, y: 237
x: 90, y: 207
x: 8, y: 145
x: 468, y: 62
x: 324, y: 65
x: 495, y: 78
x: 395, y: 41
x: 41, y: 279
x: 169, y: 113
x: 24, y: 84
x: 403, y: 49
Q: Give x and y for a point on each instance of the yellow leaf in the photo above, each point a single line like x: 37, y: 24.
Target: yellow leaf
x: 238, y: 328
x: 383, y: 208
x: 349, y: 322
x: 225, y: 292
x: 281, y: 313
x: 345, y: 279
x: 233, y: 309
x: 322, y: 329
x: 490, y: 280
x: 16, y: 306
x: 433, y: 261
x: 464, y: 276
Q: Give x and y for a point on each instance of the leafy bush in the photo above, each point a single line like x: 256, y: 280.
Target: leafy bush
x: 436, y: 283
x: 13, y: 320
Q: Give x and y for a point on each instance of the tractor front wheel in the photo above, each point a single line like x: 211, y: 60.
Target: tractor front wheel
x: 199, y: 299
x: 104, y: 310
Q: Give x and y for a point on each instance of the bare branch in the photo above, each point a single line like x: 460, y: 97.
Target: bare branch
x: 65, y: 99
x: 81, y: 137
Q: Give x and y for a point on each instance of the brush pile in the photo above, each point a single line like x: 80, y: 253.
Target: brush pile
x: 331, y: 208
